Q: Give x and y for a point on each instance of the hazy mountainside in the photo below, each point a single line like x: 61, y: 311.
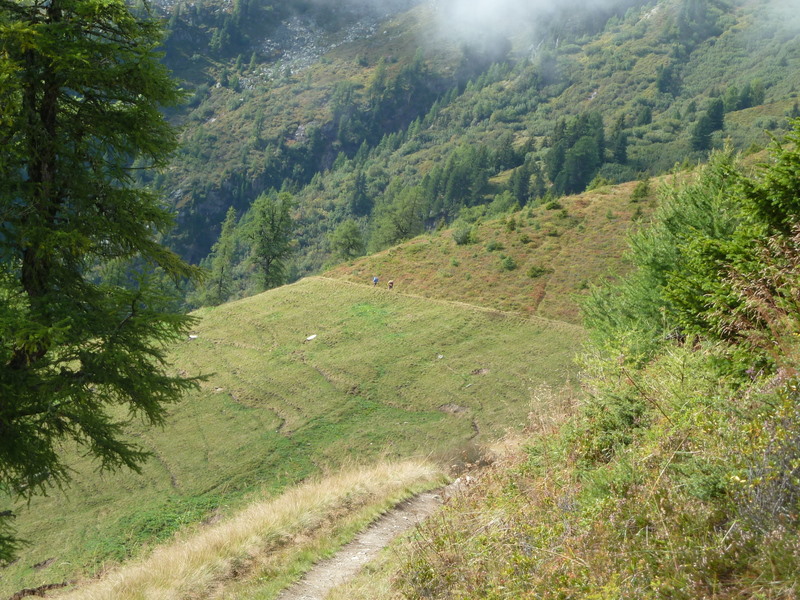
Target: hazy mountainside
x: 399, y: 118
x: 303, y: 379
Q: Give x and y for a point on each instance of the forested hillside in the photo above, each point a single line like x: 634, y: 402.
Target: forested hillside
x: 381, y: 123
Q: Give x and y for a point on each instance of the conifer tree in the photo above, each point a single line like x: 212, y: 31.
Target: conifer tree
x: 347, y: 241
x: 619, y: 142
x: 707, y: 123
x: 81, y: 93
x: 222, y: 257
x: 520, y: 183
x: 360, y: 202
x: 716, y: 114
x: 399, y: 216
x: 271, y: 237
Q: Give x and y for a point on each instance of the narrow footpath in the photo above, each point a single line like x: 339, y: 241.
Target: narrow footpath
x: 346, y: 563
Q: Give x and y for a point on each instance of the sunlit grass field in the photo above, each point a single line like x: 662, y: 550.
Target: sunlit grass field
x: 558, y: 250
x: 261, y: 549
x: 387, y: 376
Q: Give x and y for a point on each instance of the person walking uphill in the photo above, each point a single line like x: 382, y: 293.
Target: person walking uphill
x: 391, y: 283
x: 374, y: 281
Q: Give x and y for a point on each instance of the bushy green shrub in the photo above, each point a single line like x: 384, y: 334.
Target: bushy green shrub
x: 463, y: 235
x: 598, y: 182
x: 664, y: 257
x: 641, y: 191
x: 508, y: 263
x: 535, y: 271
x: 493, y: 245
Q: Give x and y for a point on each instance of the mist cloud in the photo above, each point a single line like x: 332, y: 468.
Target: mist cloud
x: 787, y: 11
x: 484, y: 16
x: 470, y: 20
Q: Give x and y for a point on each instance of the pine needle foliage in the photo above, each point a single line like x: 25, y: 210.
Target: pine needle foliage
x: 81, y: 93
x: 270, y: 237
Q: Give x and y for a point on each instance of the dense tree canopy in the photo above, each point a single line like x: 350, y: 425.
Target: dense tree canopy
x: 347, y: 241
x: 81, y: 92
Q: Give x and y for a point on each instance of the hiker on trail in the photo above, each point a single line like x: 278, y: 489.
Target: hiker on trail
x: 391, y: 283
x: 374, y: 281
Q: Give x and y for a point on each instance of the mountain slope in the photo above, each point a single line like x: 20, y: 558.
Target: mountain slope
x: 677, y: 475
x: 387, y: 376
x: 400, y: 101
x: 534, y: 261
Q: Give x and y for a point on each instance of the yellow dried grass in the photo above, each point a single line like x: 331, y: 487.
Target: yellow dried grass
x: 196, y: 563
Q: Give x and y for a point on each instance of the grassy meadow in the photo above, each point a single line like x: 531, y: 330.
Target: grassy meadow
x: 387, y: 376
x: 556, y: 250
x: 261, y: 549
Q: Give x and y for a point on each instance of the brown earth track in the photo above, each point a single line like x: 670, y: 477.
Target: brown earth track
x: 346, y: 563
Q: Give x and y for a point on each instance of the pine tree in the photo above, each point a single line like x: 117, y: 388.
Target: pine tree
x: 580, y: 165
x: 645, y: 116
x: 716, y: 114
x: 519, y: 184
x: 619, y: 142
x: 700, y: 136
x: 81, y: 93
x: 271, y: 237
x: 505, y: 157
x: 360, y: 201
x: 347, y: 241
x: 709, y: 122
x: 222, y: 261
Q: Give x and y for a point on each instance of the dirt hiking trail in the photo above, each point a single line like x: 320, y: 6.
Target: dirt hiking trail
x: 346, y: 563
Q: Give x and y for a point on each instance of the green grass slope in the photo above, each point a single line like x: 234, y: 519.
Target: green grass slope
x: 556, y: 250
x: 387, y: 375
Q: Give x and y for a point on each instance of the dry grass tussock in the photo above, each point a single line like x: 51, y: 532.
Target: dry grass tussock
x: 197, y: 564
x: 550, y: 409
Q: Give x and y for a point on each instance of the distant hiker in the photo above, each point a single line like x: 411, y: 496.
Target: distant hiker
x: 391, y: 283
x: 374, y: 281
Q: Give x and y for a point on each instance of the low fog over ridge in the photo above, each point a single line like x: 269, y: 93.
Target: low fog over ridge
x: 471, y: 20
